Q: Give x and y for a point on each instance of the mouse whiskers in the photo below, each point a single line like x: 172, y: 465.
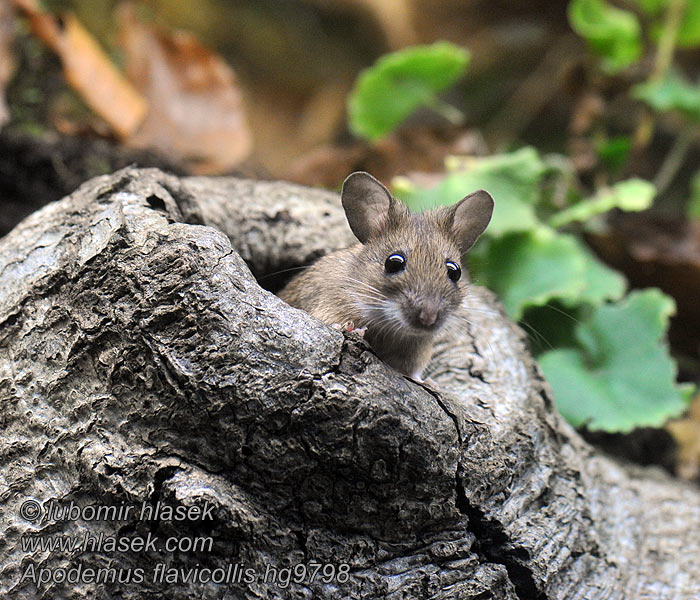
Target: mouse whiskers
x: 280, y: 272
x: 365, y: 286
x: 388, y: 323
x: 530, y: 331
x: 454, y: 333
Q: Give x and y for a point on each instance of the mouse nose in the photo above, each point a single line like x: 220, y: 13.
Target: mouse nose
x: 428, y: 315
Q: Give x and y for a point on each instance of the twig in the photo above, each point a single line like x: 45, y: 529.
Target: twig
x: 674, y: 159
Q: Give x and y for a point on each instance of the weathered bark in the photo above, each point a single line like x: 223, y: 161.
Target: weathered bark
x: 140, y: 361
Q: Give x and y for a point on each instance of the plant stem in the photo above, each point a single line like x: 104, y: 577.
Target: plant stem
x: 662, y: 63
x: 669, y: 37
x: 674, y: 159
x: 446, y: 110
x: 644, y: 131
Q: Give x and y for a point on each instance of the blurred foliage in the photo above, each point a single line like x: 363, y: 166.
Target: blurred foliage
x: 630, y: 195
x: 533, y: 268
x: 617, y: 35
x: 694, y: 204
x: 606, y: 362
x: 613, y: 33
x: 401, y: 82
x: 671, y: 93
x: 644, y: 42
x: 689, y: 25
x: 512, y: 178
x: 614, y: 152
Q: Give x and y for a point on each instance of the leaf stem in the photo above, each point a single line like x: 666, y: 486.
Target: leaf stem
x: 446, y: 110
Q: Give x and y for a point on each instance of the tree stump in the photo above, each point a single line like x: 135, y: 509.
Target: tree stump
x: 255, y: 452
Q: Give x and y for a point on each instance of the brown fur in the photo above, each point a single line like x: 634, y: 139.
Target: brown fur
x: 336, y: 288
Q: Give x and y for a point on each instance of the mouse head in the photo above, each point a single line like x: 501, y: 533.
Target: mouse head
x: 410, y: 265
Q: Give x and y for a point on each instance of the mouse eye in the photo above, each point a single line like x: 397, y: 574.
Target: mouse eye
x: 453, y: 271
x: 395, y: 263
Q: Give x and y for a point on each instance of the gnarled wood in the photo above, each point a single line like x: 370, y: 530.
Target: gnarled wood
x: 141, y: 362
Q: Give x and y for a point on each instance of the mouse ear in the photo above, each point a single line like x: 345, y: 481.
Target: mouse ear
x: 470, y: 217
x: 367, y: 203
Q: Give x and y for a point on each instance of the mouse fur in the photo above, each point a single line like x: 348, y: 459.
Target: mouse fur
x: 400, y: 311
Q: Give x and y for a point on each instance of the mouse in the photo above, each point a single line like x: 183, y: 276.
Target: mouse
x: 403, y: 281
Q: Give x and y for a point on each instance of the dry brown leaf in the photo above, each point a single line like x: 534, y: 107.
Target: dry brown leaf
x: 196, y: 107
x: 687, y: 434
x: 88, y: 69
x: 7, y: 63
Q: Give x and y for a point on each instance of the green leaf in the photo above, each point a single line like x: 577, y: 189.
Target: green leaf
x: 529, y: 269
x: 532, y: 268
x: 613, y: 153
x: 601, y: 282
x: 621, y: 375
x: 672, y: 92
x: 612, y: 33
x: 630, y: 195
x: 688, y: 35
x: 512, y: 179
x: 399, y: 83
x: 652, y: 7
x: 689, y: 32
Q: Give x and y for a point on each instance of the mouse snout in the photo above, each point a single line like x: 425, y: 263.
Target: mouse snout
x: 427, y: 314
x: 423, y: 314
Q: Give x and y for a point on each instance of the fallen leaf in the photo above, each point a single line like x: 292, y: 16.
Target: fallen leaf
x: 687, y: 434
x: 88, y: 69
x: 196, y: 106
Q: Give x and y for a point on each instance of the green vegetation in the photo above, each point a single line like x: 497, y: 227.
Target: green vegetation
x: 402, y: 82
x: 613, y: 33
x: 622, y: 39
x: 605, y: 353
x: 605, y: 357
x: 624, y: 42
x: 671, y: 93
x: 619, y: 375
x: 606, y: 360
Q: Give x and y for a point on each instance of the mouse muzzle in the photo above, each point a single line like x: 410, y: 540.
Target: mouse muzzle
x: 427, y: 316
x: 424, y: 315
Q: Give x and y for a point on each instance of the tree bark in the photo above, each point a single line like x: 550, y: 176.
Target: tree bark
x: 142, y: 366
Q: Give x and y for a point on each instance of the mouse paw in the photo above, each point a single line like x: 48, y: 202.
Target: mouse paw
x: 430, y: 383
x: 349, y: 326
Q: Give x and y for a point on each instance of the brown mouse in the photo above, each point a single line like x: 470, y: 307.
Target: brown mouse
x: 403, y: 281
